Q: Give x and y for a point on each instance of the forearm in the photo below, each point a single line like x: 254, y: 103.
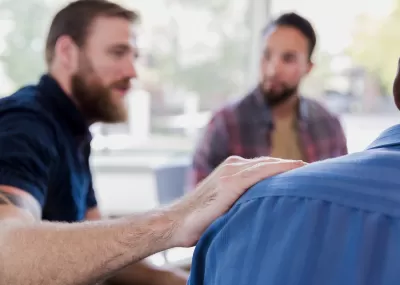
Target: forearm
x: 86, y: 253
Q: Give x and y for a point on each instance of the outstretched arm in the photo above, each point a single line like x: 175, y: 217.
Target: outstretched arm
x: 34, y: 252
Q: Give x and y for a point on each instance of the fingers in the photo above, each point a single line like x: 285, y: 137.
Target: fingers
x: 251, y: 175
x: 238, y: 171
x: 234, y: 159
x: 233, y: 165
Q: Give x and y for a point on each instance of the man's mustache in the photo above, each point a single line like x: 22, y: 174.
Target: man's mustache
x: 124, y: 83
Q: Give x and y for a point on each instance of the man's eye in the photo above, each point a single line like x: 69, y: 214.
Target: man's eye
x: 289, y: 58
x: 118, y: 53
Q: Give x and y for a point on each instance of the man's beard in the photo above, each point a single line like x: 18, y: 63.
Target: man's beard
x: 274, y: 99
x: 94, y: 99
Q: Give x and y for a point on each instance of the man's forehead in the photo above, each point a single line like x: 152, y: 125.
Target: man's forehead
x: 285, y: 38
x: 112, y: 29
x: 268, y: 31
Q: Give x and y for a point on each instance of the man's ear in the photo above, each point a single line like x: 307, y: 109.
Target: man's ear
x: 66, y: 53
x: 310, y: 67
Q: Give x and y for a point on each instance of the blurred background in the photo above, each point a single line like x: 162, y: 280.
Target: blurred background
x: 195, y: 55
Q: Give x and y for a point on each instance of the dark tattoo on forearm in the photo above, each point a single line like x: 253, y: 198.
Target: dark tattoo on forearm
x: 20, y: 201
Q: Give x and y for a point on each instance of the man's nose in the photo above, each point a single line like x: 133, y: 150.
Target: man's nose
x: 273, y: 67
x: 130, y: 70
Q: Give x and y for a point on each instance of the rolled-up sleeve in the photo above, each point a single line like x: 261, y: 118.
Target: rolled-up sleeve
x: 27, y: 152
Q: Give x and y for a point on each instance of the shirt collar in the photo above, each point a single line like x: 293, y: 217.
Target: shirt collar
x: 63, y: 107
x: 303, y: 111
x: 388, y: 138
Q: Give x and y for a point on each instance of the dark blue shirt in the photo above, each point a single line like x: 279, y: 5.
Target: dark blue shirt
x: 335, y: 222
x: 45, y: 148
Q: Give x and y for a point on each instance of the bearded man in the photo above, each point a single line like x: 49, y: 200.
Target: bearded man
x: 274, y: 119
x: 45, y: 138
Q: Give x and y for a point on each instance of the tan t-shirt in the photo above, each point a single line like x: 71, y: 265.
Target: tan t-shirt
x: 285, y: 139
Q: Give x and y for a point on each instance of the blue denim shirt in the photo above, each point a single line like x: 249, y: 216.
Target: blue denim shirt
x: 334, y: 222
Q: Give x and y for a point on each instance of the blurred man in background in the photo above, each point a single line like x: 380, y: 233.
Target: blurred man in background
x: 274, y: 119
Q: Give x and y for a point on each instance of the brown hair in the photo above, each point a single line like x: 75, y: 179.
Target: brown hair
x: 75, y: 19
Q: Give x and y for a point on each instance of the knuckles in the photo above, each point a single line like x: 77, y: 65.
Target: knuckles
x: 233, y: 159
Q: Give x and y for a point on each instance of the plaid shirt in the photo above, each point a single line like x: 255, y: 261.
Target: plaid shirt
x: 244, y: 129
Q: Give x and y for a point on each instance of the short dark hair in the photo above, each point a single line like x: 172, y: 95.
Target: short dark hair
x: 295, y: 21
x: 75, y: 19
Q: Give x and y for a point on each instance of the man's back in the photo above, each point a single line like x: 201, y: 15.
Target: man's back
x: 332, y: 222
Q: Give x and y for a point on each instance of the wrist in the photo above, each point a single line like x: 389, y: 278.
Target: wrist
x: 180, y: 214
x: 161, y: 224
